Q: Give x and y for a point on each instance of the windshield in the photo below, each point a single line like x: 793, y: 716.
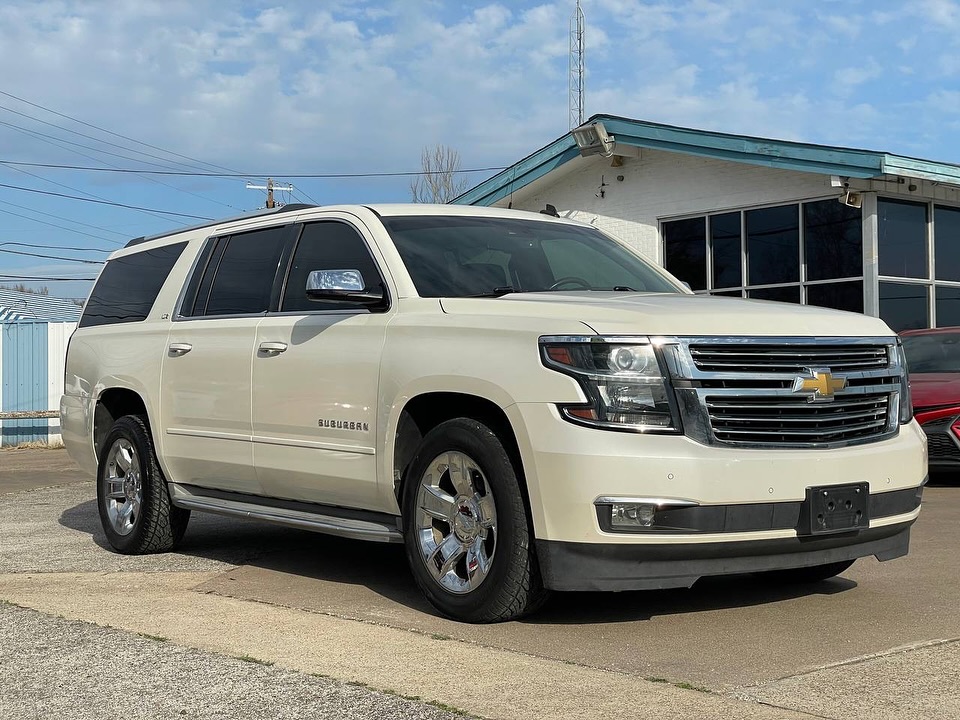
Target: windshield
x: 934, y: 353
x: 453, y: 256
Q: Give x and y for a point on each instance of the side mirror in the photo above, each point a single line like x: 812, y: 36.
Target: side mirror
x: 343, y: 286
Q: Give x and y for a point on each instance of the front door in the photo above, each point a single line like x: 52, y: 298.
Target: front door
x: 316, y: 379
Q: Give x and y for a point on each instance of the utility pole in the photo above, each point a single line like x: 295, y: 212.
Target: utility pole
x: 270, y: 187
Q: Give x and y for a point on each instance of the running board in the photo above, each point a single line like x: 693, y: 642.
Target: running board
x: 307, y: 516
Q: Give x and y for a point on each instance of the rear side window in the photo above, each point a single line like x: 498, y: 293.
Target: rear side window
x: 129, y: 285
x: 243, y: 275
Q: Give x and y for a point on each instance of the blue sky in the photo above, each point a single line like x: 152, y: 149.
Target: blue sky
x: 321, y: 87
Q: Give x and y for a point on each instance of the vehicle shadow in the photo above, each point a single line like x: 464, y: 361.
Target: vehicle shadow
x: 382, y: 570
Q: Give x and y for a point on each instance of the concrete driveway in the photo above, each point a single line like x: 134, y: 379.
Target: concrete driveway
x: 882, y: 641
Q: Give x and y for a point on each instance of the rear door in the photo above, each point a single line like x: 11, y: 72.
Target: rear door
x: 206, y: 385
x: 316, y: 377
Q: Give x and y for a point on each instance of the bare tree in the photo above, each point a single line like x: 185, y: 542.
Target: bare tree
x: 20, y: 287
x: 439, y: 182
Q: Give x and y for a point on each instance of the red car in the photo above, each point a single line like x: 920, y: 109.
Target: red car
x: 933, y: 359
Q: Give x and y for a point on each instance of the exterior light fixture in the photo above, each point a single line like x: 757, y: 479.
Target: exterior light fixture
x: 593, y: 139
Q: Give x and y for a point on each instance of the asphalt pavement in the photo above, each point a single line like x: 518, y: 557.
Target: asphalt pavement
x: 883, y: 641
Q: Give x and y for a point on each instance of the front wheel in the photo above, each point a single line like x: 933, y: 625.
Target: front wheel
x: 132, y: 497
x: 465, y: 526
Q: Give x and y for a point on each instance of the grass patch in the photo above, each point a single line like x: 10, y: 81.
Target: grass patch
x: 255, y: 661
x: 449, y: 708
x: 414, y: 698
x: 656, y: 680
x: 438, y: 636
x: 688, y: 686
x: 158, y: 638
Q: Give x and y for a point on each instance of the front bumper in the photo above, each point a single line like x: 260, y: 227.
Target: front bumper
x: 568, y: 467
x: 592, y: 566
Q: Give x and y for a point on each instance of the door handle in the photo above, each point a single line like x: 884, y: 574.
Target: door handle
x: 180, y: 348
x: 272, y: 348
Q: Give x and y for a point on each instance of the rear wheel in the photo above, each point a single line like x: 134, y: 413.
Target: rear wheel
x: 132, y: 497
x: 466, y: 528
x: 816, y: 573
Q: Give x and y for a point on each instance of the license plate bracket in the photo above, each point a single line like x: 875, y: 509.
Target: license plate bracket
x: 830, y: 509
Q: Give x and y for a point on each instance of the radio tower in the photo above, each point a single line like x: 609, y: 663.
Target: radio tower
x: 576, y: 67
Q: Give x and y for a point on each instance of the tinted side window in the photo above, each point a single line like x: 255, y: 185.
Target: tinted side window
x: 245, y: 274
x: 128, y: 286
x: 327, y: 245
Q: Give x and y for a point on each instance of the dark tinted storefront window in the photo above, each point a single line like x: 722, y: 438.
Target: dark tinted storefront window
x: 780, y: 294
x: 773, y: 245
x: 129, y: 285
x: 946, y: 238
x: 727, y: 251
x: 685, y: 249
x: 948, y: 306
x: 903, y: 306
x: 839, y: 296
x: 902, y: 238
x: 832, y: 240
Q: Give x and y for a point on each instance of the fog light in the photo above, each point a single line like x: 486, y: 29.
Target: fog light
x: 627, y: 515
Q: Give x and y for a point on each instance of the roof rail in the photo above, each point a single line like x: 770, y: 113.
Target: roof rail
x: 293, y: 207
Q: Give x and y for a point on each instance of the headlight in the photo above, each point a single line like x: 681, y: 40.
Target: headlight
x: 906, y: 402
x: 622, y: 379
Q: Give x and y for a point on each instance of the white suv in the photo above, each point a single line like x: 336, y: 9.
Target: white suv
x: 522, y: 400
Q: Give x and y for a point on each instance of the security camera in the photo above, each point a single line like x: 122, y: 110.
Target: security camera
x: 838, y: 181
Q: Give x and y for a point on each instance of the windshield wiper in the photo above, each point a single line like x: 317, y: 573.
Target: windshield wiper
x: 496, y: 292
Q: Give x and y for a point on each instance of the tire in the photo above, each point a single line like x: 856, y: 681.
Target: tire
x: 466, y: 529
x: 813, y: 574
x: 132, y: 497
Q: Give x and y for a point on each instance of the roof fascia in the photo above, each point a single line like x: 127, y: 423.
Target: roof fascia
x: 921, y: 169
x: 781, y: 154
x: 532, y: 167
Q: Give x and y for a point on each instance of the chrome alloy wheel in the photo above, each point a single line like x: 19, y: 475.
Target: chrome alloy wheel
x: 456, y: 522
x: 124, y: 496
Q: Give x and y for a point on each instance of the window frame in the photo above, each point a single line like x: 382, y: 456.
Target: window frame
x: 930, y: 281
x: 745, y: 287
x: 138, y: 317
x: 208, y: 260
x: 287, y: 262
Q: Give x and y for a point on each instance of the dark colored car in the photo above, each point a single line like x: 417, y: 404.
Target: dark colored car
x: 933, y: 359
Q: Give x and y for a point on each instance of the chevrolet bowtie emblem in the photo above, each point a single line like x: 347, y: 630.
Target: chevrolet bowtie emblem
x: 820, y: 383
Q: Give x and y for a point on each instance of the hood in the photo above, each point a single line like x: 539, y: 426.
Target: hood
x: 615, y: 313
x: 935, y: 389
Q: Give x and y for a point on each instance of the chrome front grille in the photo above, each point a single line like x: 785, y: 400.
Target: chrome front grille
x: 774, y: 420
x: 776, y: 358
x: 749, y: 392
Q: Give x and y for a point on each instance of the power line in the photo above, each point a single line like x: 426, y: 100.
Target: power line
x: 57, y: 140
x: 316, y: 176
x: 59, y: 227
x: 111, y: 132
x: 45, y: 278
x: 89, y: 137
x: 59, y: 217
x: 105, y: 202
x: 55, y: 247
x: 52, y: 257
